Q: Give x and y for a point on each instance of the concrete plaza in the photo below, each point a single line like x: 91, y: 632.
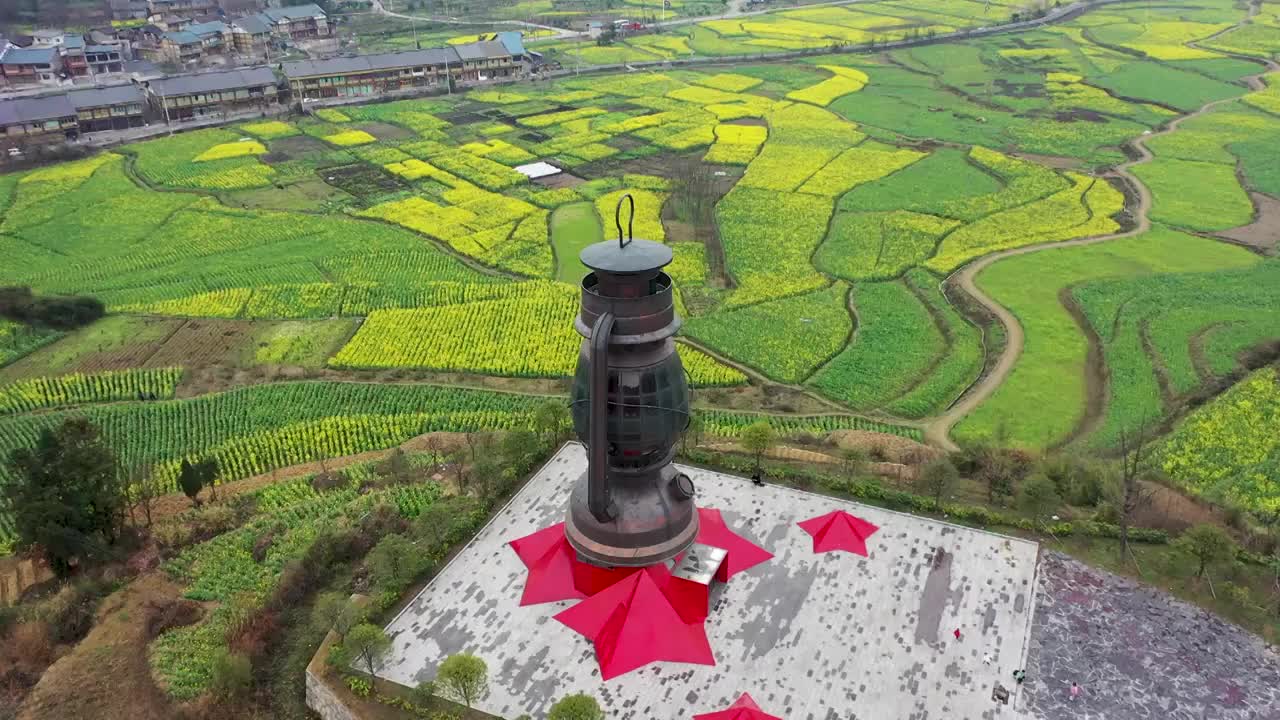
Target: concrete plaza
x: 832, y: 636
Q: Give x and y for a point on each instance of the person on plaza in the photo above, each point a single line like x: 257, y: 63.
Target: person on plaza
x: 1075, y: 691
x: 956, y: 632
x: 757, y: 479
x: 986, y: 659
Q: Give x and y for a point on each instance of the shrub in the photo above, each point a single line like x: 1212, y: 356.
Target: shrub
x: 1038, y: 497
x: 423, y: 694
x: 360, y: 686
x: 232, y: 675
x: 938, y: 478
x: 576, y: 707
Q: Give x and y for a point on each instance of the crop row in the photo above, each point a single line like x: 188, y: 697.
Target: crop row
x: 77, y: 388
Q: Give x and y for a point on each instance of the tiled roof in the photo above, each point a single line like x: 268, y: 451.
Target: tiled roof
x: 513, y: 41
x: 28, y: 56
x: 99, y: 97
x: 216, y: 27
x: 213, y: 82
x: 252, y: 24
x: 370, y: 63
x: 482, y: 50
x: 182, y: 37
x: 33, y: 109
x: 296, y: 12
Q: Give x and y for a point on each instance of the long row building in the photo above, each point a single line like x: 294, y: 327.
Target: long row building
x: 28, y: 121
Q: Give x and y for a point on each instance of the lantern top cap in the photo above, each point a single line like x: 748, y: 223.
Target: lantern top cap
x: 636, y: 256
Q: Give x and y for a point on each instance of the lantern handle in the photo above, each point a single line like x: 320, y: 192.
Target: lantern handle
x: 617, y: 219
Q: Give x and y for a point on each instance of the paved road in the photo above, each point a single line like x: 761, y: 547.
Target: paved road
x: 736, y: 8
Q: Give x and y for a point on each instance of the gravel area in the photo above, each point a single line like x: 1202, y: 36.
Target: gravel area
x: 1139, y: 654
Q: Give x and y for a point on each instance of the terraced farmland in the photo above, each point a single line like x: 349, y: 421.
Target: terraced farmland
x: 825, y: 215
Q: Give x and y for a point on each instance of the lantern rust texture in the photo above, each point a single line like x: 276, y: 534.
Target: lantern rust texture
x: 630, y: 404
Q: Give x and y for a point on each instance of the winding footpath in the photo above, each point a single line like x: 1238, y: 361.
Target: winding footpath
x: 937, y: 431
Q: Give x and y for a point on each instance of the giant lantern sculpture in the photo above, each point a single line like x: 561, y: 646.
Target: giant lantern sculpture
x: 632, y: 508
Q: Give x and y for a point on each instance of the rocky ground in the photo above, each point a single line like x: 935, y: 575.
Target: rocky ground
x: 1138, y: 653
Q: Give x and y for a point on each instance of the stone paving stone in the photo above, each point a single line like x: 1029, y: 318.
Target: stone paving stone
x: 812, y: 637
x: 1139, y: 654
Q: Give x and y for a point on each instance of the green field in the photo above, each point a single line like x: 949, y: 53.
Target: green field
x: 573, y: 227
x: 1043, y: 400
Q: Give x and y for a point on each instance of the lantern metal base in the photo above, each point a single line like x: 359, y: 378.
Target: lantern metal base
x: 653, y: 523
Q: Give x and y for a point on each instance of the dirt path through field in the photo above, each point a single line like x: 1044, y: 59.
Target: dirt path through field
x: 938, y: 430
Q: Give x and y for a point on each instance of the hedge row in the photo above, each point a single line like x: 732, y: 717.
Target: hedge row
x: 875, y: 492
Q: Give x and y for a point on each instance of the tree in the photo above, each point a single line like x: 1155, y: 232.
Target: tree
x: 1038, y: 497
x: 1208, y: 544
x: 576, y: 707
x: 68, y: 491
x: 463, y: 677
x: 435, y: 448
x: 190, y: 482
x: 757, y: 438
x: 1132, y: 495
x: 937, y: 479
x: 394, y: 562
x: 520, y: 450
x: 551, y: 420
x: 335, y: 611
x: 194, y: 477
x: 366, y: 642
x: 146, y: 488
x: 208, y: 469
x: 692, y: 432
x: 458, y: 462
x: 396, y: 468
x: 1274, y: 564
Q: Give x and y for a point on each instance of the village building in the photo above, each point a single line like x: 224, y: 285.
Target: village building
x: 186, y: 7
x: 213, y: 95
x: 104, y: 59
x: 371, y: 75
x: 488, y: 60
x: 74, y: 62
x: 251, y: 35
x: 299, y: 22
x: 108, y: 108
x: 28, y: 121
x: 196, y: 42
x: 31, y: 66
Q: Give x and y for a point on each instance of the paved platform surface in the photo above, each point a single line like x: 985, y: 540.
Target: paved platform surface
x: 1140, y: 654
x: 811, y: 637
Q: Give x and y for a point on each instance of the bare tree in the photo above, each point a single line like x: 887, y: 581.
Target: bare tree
x: 435, y: 448
x: 1135, y: 448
